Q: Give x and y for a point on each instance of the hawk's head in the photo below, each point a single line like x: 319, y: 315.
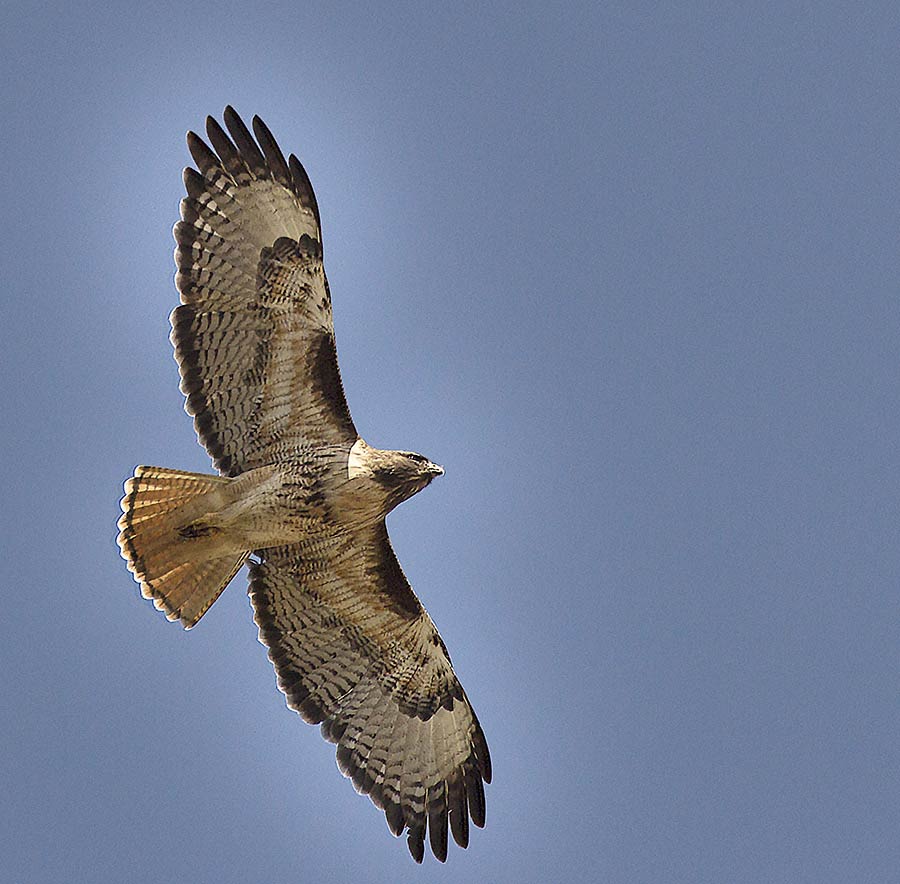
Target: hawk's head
x: 400, y: 473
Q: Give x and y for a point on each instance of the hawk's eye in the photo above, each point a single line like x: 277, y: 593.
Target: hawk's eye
x: 417, y: 458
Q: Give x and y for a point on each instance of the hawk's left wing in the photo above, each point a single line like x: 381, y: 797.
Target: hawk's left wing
x: 354, y: 649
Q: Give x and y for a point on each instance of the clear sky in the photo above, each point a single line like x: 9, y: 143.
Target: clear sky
x: 630, y: 272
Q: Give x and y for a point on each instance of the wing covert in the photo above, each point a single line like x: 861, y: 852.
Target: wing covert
x: 354, y: 650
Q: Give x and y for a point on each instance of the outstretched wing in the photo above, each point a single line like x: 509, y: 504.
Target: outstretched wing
x: 354, y: 649
x: 253, y: 336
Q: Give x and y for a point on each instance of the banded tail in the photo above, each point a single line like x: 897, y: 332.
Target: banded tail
x: 176, y: 561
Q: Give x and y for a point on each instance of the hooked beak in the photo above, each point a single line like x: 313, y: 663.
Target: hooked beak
x: 436, y: 469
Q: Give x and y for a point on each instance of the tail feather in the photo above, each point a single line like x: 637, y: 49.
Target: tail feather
x: 182, y: 572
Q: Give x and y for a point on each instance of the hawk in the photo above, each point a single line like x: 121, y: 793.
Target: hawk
x: 301, y: 498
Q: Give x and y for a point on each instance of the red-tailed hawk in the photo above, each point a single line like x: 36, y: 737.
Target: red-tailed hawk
x: 301, y: 497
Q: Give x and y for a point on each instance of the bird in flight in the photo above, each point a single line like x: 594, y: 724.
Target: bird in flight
x: 301, y: 498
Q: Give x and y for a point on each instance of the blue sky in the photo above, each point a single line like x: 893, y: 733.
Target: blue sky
x: 629, y: 271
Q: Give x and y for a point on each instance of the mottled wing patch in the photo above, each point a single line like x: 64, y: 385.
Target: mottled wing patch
x: 254, y: 336
x: 354, y: 650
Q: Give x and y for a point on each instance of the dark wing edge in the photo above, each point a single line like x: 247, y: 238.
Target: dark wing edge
x: 370, y: 667
x: 255, y: 324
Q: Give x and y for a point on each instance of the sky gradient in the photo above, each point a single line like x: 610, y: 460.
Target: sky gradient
x: 629, y: 271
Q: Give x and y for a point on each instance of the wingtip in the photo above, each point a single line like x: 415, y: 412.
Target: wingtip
x: 415, y: 840
x: 261, y: 130
x: 231, y: 116
x: 484, y: 763
x: 214, y: 130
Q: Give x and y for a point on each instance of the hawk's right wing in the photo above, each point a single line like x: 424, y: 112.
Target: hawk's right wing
x: 254, y: 337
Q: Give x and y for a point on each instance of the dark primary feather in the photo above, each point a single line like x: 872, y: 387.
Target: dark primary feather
x: 223, y: 146
x: 274, y: 156
x: 206, y: 160
x: 248, y: 148
x: 303, y: 188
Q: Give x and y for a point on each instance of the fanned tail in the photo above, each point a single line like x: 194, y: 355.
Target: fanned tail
x: 178, y: 565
